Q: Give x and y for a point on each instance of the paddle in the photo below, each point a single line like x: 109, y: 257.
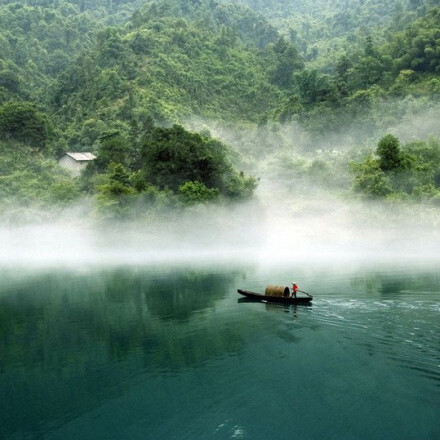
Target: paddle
x: 302, y: 291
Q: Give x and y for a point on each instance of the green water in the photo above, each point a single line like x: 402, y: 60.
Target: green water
x: 170, y: 353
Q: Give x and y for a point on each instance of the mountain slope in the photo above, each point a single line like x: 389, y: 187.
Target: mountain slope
x: 169, y: 68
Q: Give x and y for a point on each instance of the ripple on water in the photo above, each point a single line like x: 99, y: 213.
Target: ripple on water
x: 405, y: 333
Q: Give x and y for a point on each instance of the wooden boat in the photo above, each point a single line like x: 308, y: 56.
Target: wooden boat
x: 275, y: 299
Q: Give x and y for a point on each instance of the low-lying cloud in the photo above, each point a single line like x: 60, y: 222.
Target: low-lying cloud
x: 286, y: 222
x: 292, y: 231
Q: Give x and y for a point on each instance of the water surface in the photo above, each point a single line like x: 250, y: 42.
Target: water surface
x: 169, y: 352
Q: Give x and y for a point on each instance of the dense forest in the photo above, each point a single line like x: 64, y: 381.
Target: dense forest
x: 195, y: 101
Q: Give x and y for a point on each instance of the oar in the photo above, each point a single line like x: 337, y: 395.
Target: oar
x: 302, y: 291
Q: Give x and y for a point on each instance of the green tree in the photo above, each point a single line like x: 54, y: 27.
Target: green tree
x: 370, y: 50
x: 389, y: 153
x: 9, y: 80
x: 287, y: 62
x: 312, y: 87
x: 343, y: 67
x: 24, y: 123
x: 241, y: 187
x: 370, y: 180
x: 114, y: 196
x: 417, y: 48
x: 290, y: 109
x: 118, y: 181
x: 114, y: 147
x: 187, y: 163
x: 192, y: 193
x: 174, y: 156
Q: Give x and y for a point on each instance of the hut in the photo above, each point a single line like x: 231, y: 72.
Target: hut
x: 75, y: 162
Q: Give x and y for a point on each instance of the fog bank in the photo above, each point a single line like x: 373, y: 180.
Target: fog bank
x: 264, y: 232
x: 291, y: 219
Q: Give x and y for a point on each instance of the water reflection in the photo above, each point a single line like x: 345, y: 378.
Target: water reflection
x: 292, y: 309
x: 120, y: 309
x: 77, y: 348
x: 70, y: 341
x: 389, y: 284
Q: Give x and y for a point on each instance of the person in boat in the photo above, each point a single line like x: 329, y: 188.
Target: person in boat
x: 294, y: 290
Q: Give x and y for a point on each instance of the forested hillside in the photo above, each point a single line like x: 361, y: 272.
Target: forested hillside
x: 324, y: 28
x: 266, y: 83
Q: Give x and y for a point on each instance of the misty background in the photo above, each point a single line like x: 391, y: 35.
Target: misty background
x: 292, y: 217
x: 301, y: 91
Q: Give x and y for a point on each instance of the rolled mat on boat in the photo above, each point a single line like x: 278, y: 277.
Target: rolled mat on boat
x: 277, y: 291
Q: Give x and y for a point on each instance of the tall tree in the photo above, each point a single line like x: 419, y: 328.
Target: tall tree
x: 389, y: 153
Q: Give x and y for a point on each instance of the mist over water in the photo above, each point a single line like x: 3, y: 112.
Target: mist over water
x: 265, y: 230
x: 289, y: 219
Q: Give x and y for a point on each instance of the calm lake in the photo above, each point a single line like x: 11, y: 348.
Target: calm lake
x: 169, y: 352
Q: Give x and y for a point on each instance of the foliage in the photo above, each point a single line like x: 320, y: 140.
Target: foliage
x: 311, y: 87
x: 192, y: 193
x: 323, y: 30
x: 118, y: 181
x: 229, y: 19
x: 113, y: 195
x: 240, y: 186
x: 24, y: 123
x: 173, y: 156
x: 214, y: 59
x: 168, y: 68
x: 418, y: 46
x: 170, y: 167
x: 370, y: 180
x: 389, y: 153
x: 286, y: 62
x: 118, y: 78
x: 412, y: 171
x: 113, y: 147
x: 28, y: 179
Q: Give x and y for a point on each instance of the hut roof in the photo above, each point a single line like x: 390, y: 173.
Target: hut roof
x: 81, y: 157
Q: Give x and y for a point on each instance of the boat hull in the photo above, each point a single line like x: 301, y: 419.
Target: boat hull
x: 275, y: 299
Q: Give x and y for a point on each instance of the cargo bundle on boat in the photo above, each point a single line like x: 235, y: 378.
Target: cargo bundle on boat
x: 277, y: 291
